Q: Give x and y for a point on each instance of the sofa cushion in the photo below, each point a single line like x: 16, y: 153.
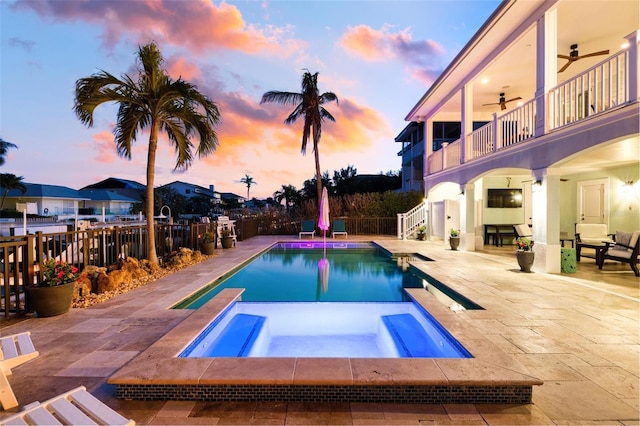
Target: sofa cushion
x: 592, y: 233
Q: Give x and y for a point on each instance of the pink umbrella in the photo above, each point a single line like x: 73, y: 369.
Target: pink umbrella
x: 323, y: 220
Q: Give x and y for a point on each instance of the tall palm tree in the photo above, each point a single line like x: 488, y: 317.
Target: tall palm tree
x: 248, y: 180
x: 4, y: 148
x: 158, y: 103
x: 308, y: 104
x: 8, y: 182
x: 289, y: 194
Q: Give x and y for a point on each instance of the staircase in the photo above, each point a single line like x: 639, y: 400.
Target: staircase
x: 409, y: 222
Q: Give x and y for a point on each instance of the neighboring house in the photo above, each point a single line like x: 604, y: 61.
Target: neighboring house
x: 562, y: 125
x: 105, y: 204
x: 127, y: 188
x: 191, y: 190
x: 47, y: 200
x: 230, y: 198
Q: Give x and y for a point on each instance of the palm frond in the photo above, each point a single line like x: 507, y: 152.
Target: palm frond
x: 281, y: 98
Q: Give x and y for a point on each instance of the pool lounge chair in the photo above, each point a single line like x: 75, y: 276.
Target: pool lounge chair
x: 15, y: 349
x: 626, y: 250
x: 75, y: 407
x: 338, y: 228
x: 308, y: 228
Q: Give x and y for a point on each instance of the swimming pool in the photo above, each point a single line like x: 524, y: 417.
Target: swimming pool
x: 309, y: 329
x: 309, y: 272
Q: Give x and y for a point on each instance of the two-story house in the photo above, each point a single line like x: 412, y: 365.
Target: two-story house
x: 545, y: 97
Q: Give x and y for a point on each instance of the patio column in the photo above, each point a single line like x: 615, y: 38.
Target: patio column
x: 546, y: 220
x: 546, y: 63
x: 467, y: 217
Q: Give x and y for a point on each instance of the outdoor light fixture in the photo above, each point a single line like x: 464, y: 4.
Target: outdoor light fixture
x: 627, y: 187
x: 538, y: 182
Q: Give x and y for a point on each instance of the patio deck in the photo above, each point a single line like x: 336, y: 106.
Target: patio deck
x: 576, y: 332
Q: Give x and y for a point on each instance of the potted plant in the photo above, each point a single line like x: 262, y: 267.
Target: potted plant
x: 525, y: 254
x: 226, y: 238
x: 422, y: 233
x: 208, y: 243
x: 454, y: 238
x: 54, y: 294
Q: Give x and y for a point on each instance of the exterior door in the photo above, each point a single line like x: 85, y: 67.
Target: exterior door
x: 593, y: 201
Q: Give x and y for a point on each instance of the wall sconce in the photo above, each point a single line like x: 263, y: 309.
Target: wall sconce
x: 538, y: 182
x: 627, y: 187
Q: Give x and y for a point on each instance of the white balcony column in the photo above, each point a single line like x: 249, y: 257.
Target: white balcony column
x: 634, y: 66
x: 466, y: 124
x: 427, y: 137
x: 546, y: 64
x: 546, y: 220
x: 467, y: 217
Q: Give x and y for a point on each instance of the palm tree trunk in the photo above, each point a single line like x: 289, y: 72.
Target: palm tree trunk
x: 152, y: 257
x: 318, y: 176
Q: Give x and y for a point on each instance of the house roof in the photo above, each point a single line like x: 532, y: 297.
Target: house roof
x: 106, y: 195
x: 200, y: 189
x: 230, y: 195
x: 37, y: 190
x: 116, y: 183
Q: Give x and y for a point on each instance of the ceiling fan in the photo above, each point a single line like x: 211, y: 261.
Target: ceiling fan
x: 574, y: 56
x: 503, y: 101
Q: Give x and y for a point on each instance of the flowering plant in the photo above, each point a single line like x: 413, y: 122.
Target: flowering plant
x: 208, y: 237
x: 524, y: 244
x: 454, y: 232
x: 59, y: 273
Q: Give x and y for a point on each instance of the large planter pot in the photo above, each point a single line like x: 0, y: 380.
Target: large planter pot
x: 50, y: 301
x: 525, y: 260
x: 454, y: 242
x: 207, y: 248
x: 227, y: 242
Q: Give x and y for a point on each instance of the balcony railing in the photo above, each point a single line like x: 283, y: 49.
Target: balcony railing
x: 600, y: 88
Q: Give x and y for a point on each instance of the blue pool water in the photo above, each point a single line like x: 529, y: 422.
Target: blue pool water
x: 288, y: 273
x: 307, y: 329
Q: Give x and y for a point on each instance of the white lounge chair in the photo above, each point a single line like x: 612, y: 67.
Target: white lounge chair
x: 15, y: 349
x: 76, y: 407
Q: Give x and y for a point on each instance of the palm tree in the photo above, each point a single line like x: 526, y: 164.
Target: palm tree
x: 8, y: 182
x: 308, y: 105
x: 248, y: 180
x: 4, y: 148
x: 289, y: 194
x: 158, y: 103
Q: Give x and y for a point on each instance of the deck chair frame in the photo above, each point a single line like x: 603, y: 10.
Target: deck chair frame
x: 308, y: 228
x: 75, y: 407
x: 15, y: 349
x: 338, y: 228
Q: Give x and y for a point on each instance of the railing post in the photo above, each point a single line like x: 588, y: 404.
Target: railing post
x: 634, y: 66
x: 494, y: 139
x: 400, y: 227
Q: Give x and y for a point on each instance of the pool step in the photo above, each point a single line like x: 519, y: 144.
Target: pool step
x: 238, y: 337
x: 408, y: 336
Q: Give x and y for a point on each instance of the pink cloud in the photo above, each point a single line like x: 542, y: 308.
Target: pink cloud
x: 384, y: 45
x: 105, y: 146
x: 198, y: 25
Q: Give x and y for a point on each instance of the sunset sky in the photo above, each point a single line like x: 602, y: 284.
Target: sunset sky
x: 378, y: 57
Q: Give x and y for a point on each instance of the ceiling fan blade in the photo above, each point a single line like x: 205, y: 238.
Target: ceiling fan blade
x: 602, y: 52
x: 565, y: 66
x: 514, y: 99
x: 495, y: 103
x: 567, y: 57
x: 503, y: 106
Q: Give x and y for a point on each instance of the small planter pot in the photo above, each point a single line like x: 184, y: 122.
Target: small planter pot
x: 207, y: 248
x: 525, y: 260
x: 227, y: 242
x: 50, y: 301
x: 454, y: 242
x: 421, y: 237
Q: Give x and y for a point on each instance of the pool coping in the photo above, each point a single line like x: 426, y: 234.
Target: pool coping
x: 491, y: 376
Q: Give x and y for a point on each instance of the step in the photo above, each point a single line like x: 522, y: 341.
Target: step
x: 237, y: 337
x: 409, y: 336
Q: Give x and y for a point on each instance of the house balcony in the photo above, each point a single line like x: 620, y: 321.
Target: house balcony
x: 607, y: 86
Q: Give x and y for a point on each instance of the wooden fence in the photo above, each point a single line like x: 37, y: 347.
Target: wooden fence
x: 22, y: 257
